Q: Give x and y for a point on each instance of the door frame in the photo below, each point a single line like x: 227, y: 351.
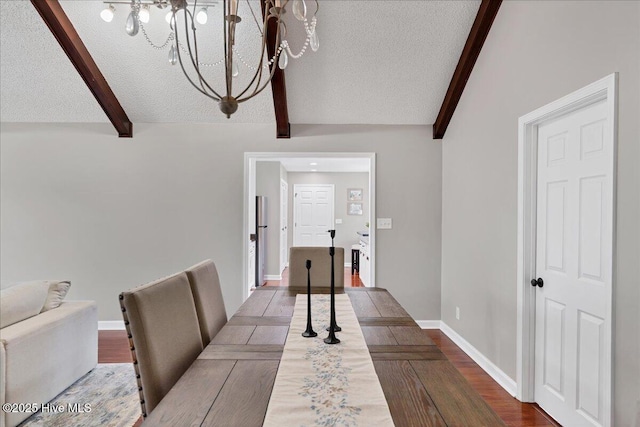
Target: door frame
x: 250, y: 159
x: 283, y: 262
x: 295, y: 208
x: 605, y: 90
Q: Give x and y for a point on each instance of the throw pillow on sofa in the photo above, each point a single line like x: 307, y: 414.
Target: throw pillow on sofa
x: 19, y: 302
x: 57, y: 291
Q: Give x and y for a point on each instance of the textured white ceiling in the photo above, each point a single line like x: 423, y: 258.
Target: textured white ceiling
x: 385, y: 62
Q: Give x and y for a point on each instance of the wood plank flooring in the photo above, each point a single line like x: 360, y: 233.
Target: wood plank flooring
x: 113, y: 347
x: 513, y: 412
x: 349, y: 280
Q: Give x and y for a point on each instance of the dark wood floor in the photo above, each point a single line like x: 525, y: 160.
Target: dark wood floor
x: 513, y: 412
x: 349, y: 280
x: 113, y: 347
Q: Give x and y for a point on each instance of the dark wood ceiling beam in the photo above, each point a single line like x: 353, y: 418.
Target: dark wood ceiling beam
x: 478, y: 34
x: 278, y: 86
x: 62, y: 29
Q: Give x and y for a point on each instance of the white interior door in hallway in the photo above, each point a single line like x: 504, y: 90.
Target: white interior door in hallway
x: 574, y: 267
x: 313, y: 214
x: 284, y: 198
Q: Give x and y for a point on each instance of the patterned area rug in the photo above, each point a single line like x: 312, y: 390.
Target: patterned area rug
x: 108, y: 395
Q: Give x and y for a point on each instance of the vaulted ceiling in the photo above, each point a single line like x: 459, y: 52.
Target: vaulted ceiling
x: 380, y: 62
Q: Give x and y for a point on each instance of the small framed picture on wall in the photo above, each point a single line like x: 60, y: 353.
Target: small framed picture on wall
x: 354, y: 208
x: 354, y: 194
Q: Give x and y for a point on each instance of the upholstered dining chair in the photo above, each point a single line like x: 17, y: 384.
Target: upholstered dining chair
x: 164, y: 335
x: 205, y: 286
x: 320, y: 266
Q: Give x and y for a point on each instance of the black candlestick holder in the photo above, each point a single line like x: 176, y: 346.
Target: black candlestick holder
x: 333, y: 326
x: 309, y: 333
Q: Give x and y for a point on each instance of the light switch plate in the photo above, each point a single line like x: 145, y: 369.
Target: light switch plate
x: 338, y: 221
x: 384, y: 223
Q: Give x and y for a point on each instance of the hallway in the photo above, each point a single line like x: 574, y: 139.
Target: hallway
x: 349, y: 280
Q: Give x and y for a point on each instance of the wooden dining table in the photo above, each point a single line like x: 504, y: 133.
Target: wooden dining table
x: 230, y: 383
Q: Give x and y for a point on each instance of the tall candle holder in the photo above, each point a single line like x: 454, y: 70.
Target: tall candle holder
x: 332, y: 339
x: 309, y: 333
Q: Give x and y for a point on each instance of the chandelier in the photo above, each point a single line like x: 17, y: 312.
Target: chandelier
x: 186, y: 18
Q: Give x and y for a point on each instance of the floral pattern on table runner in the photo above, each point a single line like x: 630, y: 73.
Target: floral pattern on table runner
x: 327, y: 388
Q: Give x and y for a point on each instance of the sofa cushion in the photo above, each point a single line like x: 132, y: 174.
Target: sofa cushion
x: 57, y: 291
x: 22, y: 301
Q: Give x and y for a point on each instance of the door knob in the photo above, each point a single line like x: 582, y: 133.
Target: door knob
x: 539, y: 282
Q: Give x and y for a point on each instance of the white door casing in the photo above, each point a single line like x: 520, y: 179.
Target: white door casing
x: 571, y: 257
x: 566, y: 225
x: 313, y: 214
x: 251, y: 265
x: 284, y: 199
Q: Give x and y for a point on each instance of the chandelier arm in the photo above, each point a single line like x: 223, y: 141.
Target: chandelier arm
x: 195, y: 43
x: 259, y: 68
x: 273, y: 67
x: 195, y: 37
x: 184, y: 71
x: 254, y: 15
x: 215, y: 96
x: 257, y: 75
x: 227, y: 61
x: 194, y: 58
x: 266, y: 83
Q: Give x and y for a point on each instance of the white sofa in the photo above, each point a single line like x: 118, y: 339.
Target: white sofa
x: 42, y: 355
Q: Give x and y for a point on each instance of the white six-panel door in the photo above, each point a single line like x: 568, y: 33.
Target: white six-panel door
x: 313, y: 214
x: 574, y: 260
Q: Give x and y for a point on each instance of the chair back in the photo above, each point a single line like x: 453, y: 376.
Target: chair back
x: 163, y: 331
x: 320, y: 266
x: 205, y: 286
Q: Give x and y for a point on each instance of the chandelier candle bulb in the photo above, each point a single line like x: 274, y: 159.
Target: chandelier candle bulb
x: 234, y: 7
x: 202, y: 16
x: 107, y: 14
x: 143, y: 14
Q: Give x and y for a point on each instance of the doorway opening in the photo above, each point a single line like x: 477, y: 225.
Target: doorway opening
x: 273, y: 175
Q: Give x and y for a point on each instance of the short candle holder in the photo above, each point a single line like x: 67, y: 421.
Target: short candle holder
x: 309, y: 333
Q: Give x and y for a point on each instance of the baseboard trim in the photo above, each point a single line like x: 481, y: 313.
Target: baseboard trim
x: 272, y: 277
x: 111, y: 325
x: 488, y: 366
x: 428, y: 324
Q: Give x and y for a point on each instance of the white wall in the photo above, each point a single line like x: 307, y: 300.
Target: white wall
x: 535, y: 53
x: 109, y: 214
x: 351, y: 224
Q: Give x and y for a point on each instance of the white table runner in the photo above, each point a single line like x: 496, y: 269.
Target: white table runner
x: 326, y: 385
